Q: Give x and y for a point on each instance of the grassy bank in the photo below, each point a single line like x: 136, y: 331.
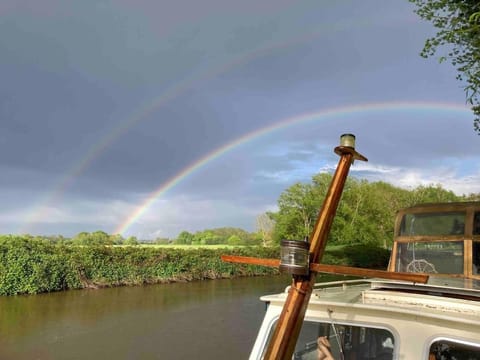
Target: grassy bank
x: 30, y: 266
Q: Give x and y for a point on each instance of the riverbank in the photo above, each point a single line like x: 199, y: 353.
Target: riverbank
x: 32, y: 266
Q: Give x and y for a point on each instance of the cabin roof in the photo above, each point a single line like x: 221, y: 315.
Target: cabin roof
x: 441, y: 285
x: 458, y: 205
x: 455, y: 299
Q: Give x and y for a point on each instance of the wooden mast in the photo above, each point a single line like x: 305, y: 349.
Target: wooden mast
x: 284, y: 338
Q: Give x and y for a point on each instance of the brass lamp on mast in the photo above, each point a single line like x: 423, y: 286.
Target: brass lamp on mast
x: 347, y: 140
x: 294, y: 257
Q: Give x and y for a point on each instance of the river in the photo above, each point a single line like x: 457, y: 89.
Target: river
x: 216, y: 319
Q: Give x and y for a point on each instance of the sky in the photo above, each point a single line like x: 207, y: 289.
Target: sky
x: 147, y: 118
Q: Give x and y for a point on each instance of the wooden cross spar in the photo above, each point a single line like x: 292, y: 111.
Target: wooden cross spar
x: 282, y: 343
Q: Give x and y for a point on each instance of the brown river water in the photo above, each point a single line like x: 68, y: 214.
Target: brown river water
x: 215, y: 319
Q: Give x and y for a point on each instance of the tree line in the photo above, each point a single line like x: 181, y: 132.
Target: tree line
x: 85, y: 238
x: 365, y: 214
x: 218, y: 236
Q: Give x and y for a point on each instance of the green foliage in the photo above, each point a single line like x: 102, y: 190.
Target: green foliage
x: 117, y: 239
x: 358, y: 255
x: 184, y: 238
x: 33, y: 265
x: 234, y: 240
x: 298, y: 209
x: 207, y: 237
x: 132, y: 240
x: 433, y: 193
x: 471, y: 197
x: 458, y: 24
x: 96, y: 238
x: 162, y: 241
x: 366, y: 212
x: 218, y: 236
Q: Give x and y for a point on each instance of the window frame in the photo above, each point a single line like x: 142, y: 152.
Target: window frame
x: 328, y: 321
x: 453, y: 339
x: 471, y: 209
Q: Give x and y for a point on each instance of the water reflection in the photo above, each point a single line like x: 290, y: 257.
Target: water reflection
x: 206, y: 319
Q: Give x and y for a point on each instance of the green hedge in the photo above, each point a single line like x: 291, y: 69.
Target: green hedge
x: 31, y: 266
x: 358, y: 255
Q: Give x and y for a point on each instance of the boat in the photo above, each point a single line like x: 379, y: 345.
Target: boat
x: 426, y: 305
x: 391, y: 319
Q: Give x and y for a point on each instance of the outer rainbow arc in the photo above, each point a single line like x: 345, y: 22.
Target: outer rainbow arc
x: 302, y: 118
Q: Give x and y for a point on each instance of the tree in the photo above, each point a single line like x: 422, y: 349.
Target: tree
x: 100, y: 237
x: 162, y: 241
x: 117, y: 239
x: 432, y: 193
x: 265, y: 226
x: 298, y: 209
x: 184, y: 238
x: 365, y: 214
x: 234, y: 240
x: 471, y: 197
x: 132, y: 240
x: 458, y: 24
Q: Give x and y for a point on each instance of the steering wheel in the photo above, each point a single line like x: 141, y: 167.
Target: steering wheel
x: 421, y: 266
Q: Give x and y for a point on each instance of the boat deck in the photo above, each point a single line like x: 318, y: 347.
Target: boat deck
x: 441, y: 298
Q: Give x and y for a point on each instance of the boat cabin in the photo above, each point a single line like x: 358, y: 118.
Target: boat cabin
x: 373, y: 319
x: 441, y: 239
x: 384, y: 320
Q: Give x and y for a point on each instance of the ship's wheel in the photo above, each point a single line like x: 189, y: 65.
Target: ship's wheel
x: 421, y: 266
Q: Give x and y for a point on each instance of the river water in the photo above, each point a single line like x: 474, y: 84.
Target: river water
x: 216, y: 319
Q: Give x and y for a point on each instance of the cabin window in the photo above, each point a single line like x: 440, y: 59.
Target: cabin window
x: 451, y: 350
x: 476, y: 224
x: 443, y: 257
x: 355, y: 342
x: 432, y: 224
x: 476, y: 257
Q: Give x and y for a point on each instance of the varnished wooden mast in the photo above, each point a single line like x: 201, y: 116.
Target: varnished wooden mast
x: 284, y: 338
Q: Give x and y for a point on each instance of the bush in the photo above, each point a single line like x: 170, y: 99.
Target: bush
x: 359, y: 255
x: 30, y: 266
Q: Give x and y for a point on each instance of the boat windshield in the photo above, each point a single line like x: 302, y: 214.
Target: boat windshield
x: 433, y: 224
x: 443, y: 257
